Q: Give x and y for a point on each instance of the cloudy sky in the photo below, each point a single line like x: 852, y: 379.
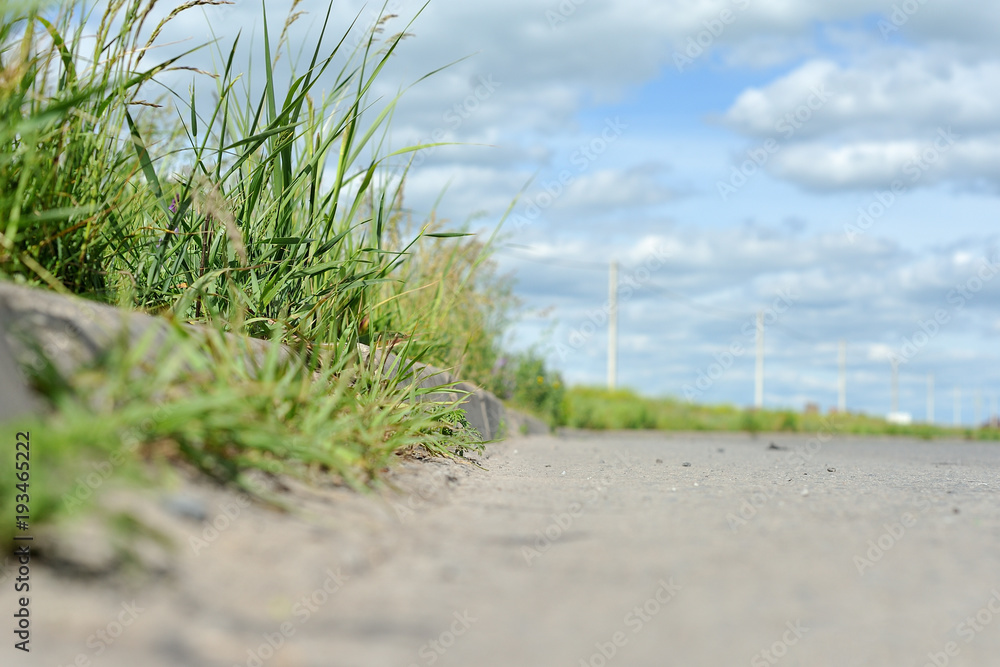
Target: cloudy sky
x: 834, y: 163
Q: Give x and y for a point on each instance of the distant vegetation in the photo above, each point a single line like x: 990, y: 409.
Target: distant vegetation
x: 601, y: 409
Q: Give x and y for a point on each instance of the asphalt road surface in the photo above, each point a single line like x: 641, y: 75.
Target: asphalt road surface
x: 586, y: 549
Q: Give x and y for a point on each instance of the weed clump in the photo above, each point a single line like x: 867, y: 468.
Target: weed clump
x: 266, y: 212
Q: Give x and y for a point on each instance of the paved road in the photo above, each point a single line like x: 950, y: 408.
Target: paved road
x: 589, y: 549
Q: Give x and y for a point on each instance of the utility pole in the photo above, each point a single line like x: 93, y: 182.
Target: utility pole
x: 613, y: 325
x: 758, y: 389
x: 930, y: 398
x: 895, y: 383
x: 842, y: 378
x: 957, y: 408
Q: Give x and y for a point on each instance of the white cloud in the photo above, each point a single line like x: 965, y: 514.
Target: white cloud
x: 878, y: 165
x: 616, y: 189
x: 919, y: 121
x: 904, y: 94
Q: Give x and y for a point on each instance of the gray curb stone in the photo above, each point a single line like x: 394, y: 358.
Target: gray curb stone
x: 72, y: 331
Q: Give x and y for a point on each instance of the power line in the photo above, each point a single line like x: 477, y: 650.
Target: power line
x: 728, y: 315
x: 714, y: 311
x: 721, y: 313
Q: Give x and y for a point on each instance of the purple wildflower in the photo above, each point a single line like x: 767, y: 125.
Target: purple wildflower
x: 173, y: 209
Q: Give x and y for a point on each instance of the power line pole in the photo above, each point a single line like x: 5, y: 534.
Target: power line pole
x: 613, y: 325
x: 842, y: 379
x: 930, y: 398
x: 957, y: 407
x: 895, y: 383
x: 758, y: 389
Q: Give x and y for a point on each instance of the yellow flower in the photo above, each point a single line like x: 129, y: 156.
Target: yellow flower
x: 541, y: 380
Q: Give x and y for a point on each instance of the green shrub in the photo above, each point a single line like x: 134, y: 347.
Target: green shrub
x: 750, y: 422
x: 789, y: 421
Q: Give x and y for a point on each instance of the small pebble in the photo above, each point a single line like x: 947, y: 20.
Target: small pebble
x: 686, y: 464
x: 659, y: 460
x: 805, y: 492
x: 831, y: 470
x: 186, y: 507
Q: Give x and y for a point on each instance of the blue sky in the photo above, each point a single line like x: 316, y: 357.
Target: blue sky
x: 840, y: 102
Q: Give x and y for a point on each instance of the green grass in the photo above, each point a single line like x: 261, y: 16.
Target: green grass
x: 271, y: 215
x: 204, y: 407
x: 601, y: 409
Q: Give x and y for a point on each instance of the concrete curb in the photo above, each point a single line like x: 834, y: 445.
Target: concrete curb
x: 71, y: 331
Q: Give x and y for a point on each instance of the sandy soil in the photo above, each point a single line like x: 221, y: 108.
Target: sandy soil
x: 624, y: 549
